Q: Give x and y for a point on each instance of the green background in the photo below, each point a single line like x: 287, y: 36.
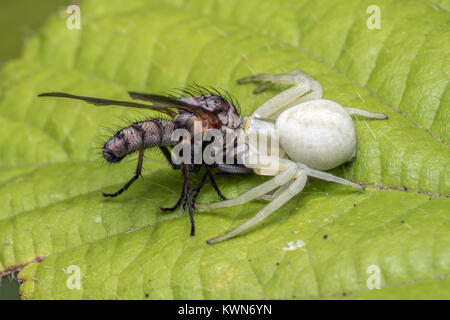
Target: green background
x: 50, y: 177
x: 19, y: 20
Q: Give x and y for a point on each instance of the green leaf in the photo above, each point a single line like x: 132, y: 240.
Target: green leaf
x: 52, y: 216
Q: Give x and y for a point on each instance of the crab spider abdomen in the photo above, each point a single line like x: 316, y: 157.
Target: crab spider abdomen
x: 318, y: 133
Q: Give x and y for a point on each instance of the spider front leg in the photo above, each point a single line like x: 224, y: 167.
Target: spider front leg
x: 270, y: 197
x: 258, y: 191
x: 289, y: 182
x: 287, y: 193
x: 304, y: 88
x: 322, y: 175
x: 291, y: 186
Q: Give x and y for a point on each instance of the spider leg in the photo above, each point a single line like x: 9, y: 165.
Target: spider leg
x: 263, y: 86
x: 328, y: 176
x: 365, y: 113
x: 280, y: 179
x: 304, y: 88
x: 133, y: 179
x: 293, y: 189
x: 316, y: 174
x: 270, y: 197
x: 267, y: 84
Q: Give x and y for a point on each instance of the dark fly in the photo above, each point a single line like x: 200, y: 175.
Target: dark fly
x: 213, y: 109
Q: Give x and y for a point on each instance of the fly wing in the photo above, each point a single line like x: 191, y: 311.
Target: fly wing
x: 207, y: 116
x: 163, y: 108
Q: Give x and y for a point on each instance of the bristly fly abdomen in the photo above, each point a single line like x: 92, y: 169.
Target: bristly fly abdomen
x: 139, y: 135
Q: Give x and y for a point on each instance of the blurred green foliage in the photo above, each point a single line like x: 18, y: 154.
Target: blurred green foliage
x: 18, y: 21
x: 21, y: 19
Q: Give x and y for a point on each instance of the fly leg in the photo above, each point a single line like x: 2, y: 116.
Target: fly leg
x: 166, y: 152
x: 224, y: 170
x: 210, y: 177
x: 198, y: 187
x: 186, y: 173
x: 213, y: 182
x: 184, y: 196
x: 133, y: 179
x: 206, y: 178
x: 177, y: 205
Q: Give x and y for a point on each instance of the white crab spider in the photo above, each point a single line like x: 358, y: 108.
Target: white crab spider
x: 315, y: 134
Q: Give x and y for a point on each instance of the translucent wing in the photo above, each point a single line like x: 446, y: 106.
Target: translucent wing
x: 204, y: 114
x: 159, y: 103
x: 107, y: 102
